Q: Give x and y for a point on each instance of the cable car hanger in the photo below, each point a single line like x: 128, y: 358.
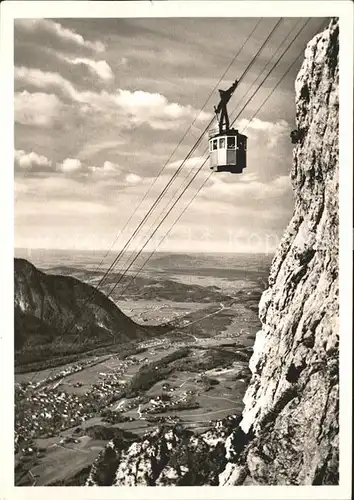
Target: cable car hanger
x: 225, y: 96
x: 227, y: 146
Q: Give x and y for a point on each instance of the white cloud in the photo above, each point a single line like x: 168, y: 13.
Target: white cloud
x: 100, y: 68
x: 107, y: 168
x: 46, y: 79
x: 57, y: 30
x: 154, y: 108
x: 191, y: 163
x: 135, y: 108
x: 30, y: 160
x: 50, y: 80
x: 133, y: 178
x: 92, y: 148
x: 248, y: 177
x: 273, y: 132
x: 251, y: 192
x: 38, y: 109
x: 70, y: 165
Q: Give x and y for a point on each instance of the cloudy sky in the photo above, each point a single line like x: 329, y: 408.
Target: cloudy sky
x: 101, y: 104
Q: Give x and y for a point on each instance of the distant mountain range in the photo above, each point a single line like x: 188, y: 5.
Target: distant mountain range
x: 60, y: 315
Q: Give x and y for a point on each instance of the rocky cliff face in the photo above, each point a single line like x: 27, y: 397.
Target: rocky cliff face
x: 288, y: 434
x: 291, y: 405
x: 168, y: 456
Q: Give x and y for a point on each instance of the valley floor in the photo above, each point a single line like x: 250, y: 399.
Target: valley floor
x: 194, y: 375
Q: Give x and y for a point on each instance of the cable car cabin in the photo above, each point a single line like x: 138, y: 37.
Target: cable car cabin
x: 228, y: 148
x: 228, y: 152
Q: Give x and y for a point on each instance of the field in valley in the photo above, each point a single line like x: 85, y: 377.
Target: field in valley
x: 196, y: 373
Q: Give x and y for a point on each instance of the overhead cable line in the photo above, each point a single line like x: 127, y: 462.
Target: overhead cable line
x: 270, y: 94
x: 194, y: 176
x: 191, y: 151
x: 168, y: 232
x: 96, y: 288
x: 207, y: 158
x: 174, y: 151
x: 280, y: 45
x: 274, y: 88
x: 201, y: 166
x: 269, y: 72
x: 271, y: 69
x: 257, y: 78
x: 116, y: 259
x: 205, y: 181
x: 195, y: 146
x: 195, y: 194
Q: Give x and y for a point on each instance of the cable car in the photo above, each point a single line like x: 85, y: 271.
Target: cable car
x: 227, y: 147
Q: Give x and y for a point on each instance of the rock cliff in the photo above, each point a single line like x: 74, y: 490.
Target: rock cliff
x: 291, y: 405
x: 168, y: 456
x: 288, y: 434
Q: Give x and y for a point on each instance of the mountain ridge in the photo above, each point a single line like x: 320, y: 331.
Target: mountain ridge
x: 54, y: 311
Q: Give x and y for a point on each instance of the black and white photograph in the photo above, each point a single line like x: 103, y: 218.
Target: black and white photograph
x: 177, y: 250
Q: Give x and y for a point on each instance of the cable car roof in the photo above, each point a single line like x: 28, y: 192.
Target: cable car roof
x: 225, y: 133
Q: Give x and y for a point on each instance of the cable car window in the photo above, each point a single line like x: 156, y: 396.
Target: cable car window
x: 222, y: 143
x: 215, y: 144
x: 210, y: 145
x: 231, y: 143
x: 245, y: 145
